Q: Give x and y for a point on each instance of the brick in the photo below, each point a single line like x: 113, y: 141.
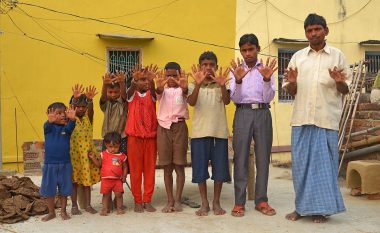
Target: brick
x: 375, y: 115
x: 31, y: 166
x: 363, y: 115
x: 366, y: 123
x: 364, y: 98
x: 369, y: 107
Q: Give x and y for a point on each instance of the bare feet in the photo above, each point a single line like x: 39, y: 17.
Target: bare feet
x: 218, y: 209
x: 48, y: 217
x: 91, y: 210
x: 138, y: 208
x: 104, y: 212
x: 169, y: 208
x: 294, y: 216
x: 178, y: 206
x: 203, y: 211
x: 319, y: 219
x: 75, y: 211
x: 64, y: 215
x: 120, y: 211
x: 148, y: 207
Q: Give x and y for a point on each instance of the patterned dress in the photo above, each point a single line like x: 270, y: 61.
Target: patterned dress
x: 84, y: 170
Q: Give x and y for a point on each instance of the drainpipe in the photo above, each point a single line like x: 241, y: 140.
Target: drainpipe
x: 364, y: 151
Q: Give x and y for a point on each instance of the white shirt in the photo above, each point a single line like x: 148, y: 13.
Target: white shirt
x: 317, y: 101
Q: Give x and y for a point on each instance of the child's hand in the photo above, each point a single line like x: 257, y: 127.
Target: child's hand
x: 150, y: 71
x: 238, y: 70
x: 77, y: 90
x: 108, y: 79
x: 52, y: 117
x: 267, y: 70
x: 90, y: 92
x: 161, y: 80
x: 182, y: 82
x: 91, y: 155
x: 120, y: 76
x: 124, y: 179
x: 222, y: 78
x: 70, y: 112
x: 198, y: 74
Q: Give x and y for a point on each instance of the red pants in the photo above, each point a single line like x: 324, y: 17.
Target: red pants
x: 142, y: 155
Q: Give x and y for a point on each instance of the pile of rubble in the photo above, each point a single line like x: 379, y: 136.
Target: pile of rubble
x: 19, y: 199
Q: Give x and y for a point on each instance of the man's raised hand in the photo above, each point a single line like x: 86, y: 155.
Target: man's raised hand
x: 238, y: 70
x: 268, y: 69
x: 291, y: 75
x: 221, y: 78
x: 337, y: 74
x: 198, y: 74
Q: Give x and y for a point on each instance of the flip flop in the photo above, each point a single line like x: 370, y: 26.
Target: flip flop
x: 188, y: 202
x: 265, y: 208
x: 238, y: 211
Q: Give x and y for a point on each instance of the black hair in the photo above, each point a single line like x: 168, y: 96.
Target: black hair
x: 172, y: 66
x: 208, y: 55
x: 314, y: 19
x: 112, y: 137
x: 249, y: 39
x: 82, y: 99
x: 113, y: 85
x: 56, y: 105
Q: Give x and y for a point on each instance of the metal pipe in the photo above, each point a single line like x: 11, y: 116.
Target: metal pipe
x: 364, y: 151
x: 370, y: 130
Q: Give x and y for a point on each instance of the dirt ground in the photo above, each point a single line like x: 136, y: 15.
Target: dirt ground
x: 362, y: 215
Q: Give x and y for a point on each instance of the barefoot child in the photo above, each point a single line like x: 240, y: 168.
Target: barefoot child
x: 113, y: 172
x: 141, y: 129
x: 172, y: 134
x: 57, y: 170
x: 85, y: 172
x: 209, y: 140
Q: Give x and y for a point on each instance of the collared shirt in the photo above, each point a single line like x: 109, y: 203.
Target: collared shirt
x: 115, y: 116
x: 209, y: 116
x: 317, y: 101
x: 172, y: 107
x: 253, y: 88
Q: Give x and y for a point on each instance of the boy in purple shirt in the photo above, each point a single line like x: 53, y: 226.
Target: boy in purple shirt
x: 252, y: 88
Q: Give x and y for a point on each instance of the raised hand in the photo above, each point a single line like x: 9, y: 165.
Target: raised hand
x: 182, y: 82
x: 91, y: 155
x: 120, y: 76
x: 108, y: 78
x: 52, y: 117
x: 90, y: 92
x: 291, y: 75
x: 70, y: 112
x: 137, y: 72
x: 337, y: 75
x: 238, y: 70
x: 267, y: 70
x: 221, y: 78
x: 198, y: 74
x: 161, y: 80
x: 77, y: 90
x: 150, y: 71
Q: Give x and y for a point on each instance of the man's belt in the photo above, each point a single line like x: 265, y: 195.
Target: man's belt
x: 254, y: 106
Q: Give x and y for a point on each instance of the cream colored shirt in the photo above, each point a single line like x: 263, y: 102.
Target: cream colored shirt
x: 209, y: 116
x: 317, y: 101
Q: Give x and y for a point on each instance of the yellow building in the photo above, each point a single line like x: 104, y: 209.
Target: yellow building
x: 47, y: 47
x: 35, y: 73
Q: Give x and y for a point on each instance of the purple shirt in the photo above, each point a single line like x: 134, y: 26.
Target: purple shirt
x: 253, y: 89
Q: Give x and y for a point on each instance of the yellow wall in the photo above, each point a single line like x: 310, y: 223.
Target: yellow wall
x: 284, y: 18
x: 34, y: 74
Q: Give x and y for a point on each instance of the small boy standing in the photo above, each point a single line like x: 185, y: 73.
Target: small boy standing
x: 57, y: 169
x: 141, y: 128
x: 209, y: 139
x: 172, y: 132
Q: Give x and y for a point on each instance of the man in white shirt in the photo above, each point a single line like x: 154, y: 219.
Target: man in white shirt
x: 318, y: 76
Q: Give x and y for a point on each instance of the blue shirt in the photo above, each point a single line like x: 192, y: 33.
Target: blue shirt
x: 57, y: 142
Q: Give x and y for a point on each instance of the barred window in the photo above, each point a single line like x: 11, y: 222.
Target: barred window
x: 123, y: 59
x: 373, y: 59
x: 284, y: 56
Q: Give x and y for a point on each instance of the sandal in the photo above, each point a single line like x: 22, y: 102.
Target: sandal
x: 265, y: 208
x: 238, y: 211
x: 191, y: 204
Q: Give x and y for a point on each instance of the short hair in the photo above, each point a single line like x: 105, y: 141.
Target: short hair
x: 112, y: 137
x: 82, y: 99
x: 172, y: 66
x: 249, y: 38
x: 314, y: 19
x: 56, y: 105
x: 208, y: 55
